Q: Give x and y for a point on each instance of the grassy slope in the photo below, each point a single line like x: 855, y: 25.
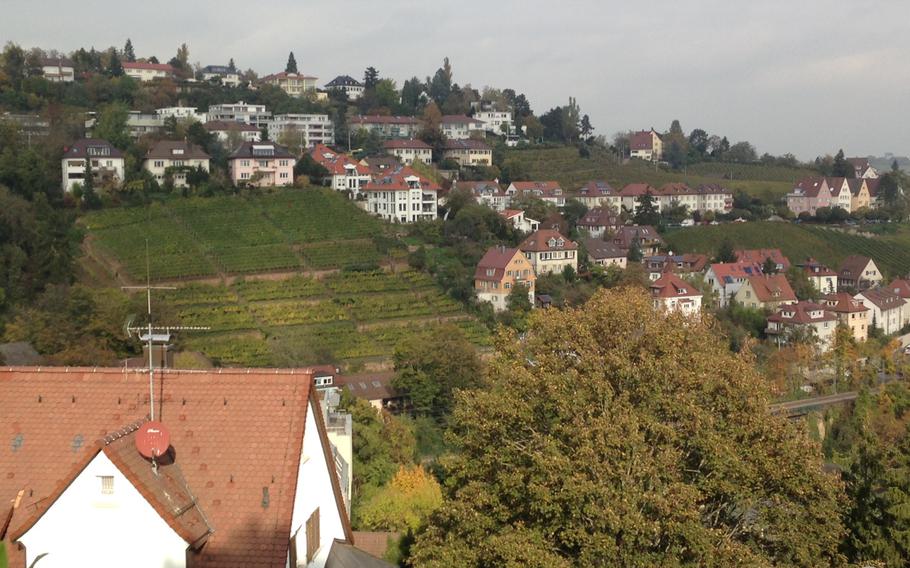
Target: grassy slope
x: 890, y: 252
x: 565, y: 166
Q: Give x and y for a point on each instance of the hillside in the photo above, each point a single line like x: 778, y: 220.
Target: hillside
x: 891, y: 252
x: 572, y: 171
x: 284, y: 279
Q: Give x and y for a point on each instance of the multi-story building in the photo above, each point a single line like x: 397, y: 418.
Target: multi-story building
x: 386, y: 126
x: 221, y: 73
x: 487, y: 193
x: 631, y: 196
x: 862, y: 169
x: 600, y: 221
x: 257, y: 115
x: 106, y: 163
x: 725, y: 279
x: 599, y: 194
x: 806, y: 319
x: 175, y: 158
x: 459, y: 126
x: 549, y: 191
x: 761, y: 256
x: 859, y: 194
x: 516, y: 218
x: 549, y: 252
x: 765, y: 292
x: 687, y: 263
x: 308, y: 129
x: 261, y: 164
x: 138, y: 123
x: 468, y: 152
x: 409, y: 151
x: 147, y: 71
x: 226, y: 130
x: 181, y: 113
x: 346, y: 84
x: 401, y: 196
x: 808, y: 195
x: 704, y: 198
x: 840, y: 193
x: 498, y: 272
x: 495, y: 121
x: 345, y: 173
x: 850, y: 312
x: 294, y: 84
x: 822, y: 278
x: 858, y: 273
x: 645, y: 237
x: 604, y: 253
x: 886, y: 309
x: 646, y: 145
x: 58, y: 69
x: 673, y: 294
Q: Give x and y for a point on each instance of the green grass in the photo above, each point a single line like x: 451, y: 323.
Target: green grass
x: 891, y: 252
x: 572, y: 171
x: 288, y: 230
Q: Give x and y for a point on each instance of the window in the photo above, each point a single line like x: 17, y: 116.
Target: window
x: 263, y: 163
x: 312, y: 535
x: 107, y: 484
x: 159, y: 163
x: 245, y: 163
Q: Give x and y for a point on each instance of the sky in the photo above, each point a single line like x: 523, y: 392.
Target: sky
x: 806, y: 76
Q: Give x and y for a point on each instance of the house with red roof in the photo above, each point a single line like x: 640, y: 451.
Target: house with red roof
x: 759, y: 256
x: 645, y: 237
x: 550, y: 252
x: 725, y: 279
x: 599, y: 194
x: 632, y: 194
x: 600, y: 221
x: 468, y: 152
x: 901, y: 287
x: 808, y: 195
x: 460, y: 127
x: 858, y: 273
x: 517, y: 220
x: 862, y: 169
x: 840, y: 193
x: 294, y: 84
x: 144, y: 72
x: 850, y: 312
x: 823, y: 278
x: 804, y: 320
x: 409, y: 150
x: 687, y: 263
x: 385, y: 126
x: 486, y: 192
x: 672, y: 293
x: 859, y: 194
x: 765, y: 292
x: 887, y: 310
x: 498, y: 272
x: 401, y: 196
x: 345, y: 173
x: 706, y: 197
x: 646, y: 145
x: 236, y: 469
x: 549, y: 191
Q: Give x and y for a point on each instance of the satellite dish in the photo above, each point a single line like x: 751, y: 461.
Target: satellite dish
x: 153, y: 439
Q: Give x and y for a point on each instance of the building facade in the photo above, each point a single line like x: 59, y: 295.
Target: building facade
x: 106, y: 163
x: 549, y: 252
x: 470, y: 153
x: 497, y: 274
x: 308, y: 129
x: 409, y: 151
x: 147, y: 71
x: 175, y: 158
x: 261, y: 164
x: 401, y: 196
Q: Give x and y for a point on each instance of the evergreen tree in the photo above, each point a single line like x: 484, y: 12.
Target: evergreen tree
x: 895, y: 167
x: 647, y: 213
x: 769, y: 266
x: 291, y: 67
x: 231, y: 67
x: 114, y: 67
x: 370, y: 78
x: 841, y: 167
x: 586, y: 128
x: 128, y: 54
x: 725, y: 253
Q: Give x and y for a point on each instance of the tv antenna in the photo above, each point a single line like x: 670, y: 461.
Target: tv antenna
x: 150, y: 329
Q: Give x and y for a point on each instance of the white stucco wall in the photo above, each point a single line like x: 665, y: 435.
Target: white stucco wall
x: 87, y: 528
x: 314, y: 489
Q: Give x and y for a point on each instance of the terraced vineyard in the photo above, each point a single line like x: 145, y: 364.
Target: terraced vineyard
x: 572, y: 171
x: 346, y: 316
x: 312, y: 229
x: 890, y: 252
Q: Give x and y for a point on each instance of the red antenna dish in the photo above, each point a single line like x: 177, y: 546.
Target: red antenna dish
x: 153, y: 439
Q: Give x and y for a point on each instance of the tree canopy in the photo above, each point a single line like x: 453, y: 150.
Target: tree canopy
x: 607, y: 436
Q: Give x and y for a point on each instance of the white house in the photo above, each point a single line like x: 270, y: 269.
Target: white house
x: 459, y: 126
x: 308, y: 129
x: 401, y: 196
x: 494, y: 121
x: 221, y: 73
x: 147, y: 71
x: 225, y: 130
x: 725, y: 279
x: 549, y: 252
x: 516, y: 218
x: 177, y: 158
x: 807, y: 318
x: 181, y: 113
x: 671, y: 293
x: 386, y: 126
x: 345, y: 173
x: 225, y: 469
x: 468, y: 153
x: 408, y: 151
x: 106, y: 163
x: 257, y: 115
x: 886, y: 309
x: 549, y: 191
x: 346, y: 84
x: 58, y: 69
x: 294, y: 84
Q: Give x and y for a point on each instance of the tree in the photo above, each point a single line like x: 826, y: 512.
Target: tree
x: 403, y: 504
x: 698, y: 142
x: 431, y: 127
x: 635, y: 255
x: 725, y: 252
x: 440, y: 86
x: 608, y: 436
x: 430, y: 377
x: 742, y: 152
x: 586, y: 128
x: 370, y: 77
x: 675, y: 155
x: 519, y: 300
x: 646, y: 213
x: 802, y: 286
x: 769, y: 266
x: 387, y: 93
x: 14, y: 66
x: 291, y: 66
x: 183, y: 56
x: 841, y: 167
x: 411, y: 94
x: 111, y: 125
x: 231, y: 66
x: 128, y: 53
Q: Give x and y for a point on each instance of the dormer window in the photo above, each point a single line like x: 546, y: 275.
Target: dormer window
x: 177, y: 151
x: 551, y: 242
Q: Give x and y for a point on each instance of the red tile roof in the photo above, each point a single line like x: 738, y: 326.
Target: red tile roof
x: 843, y: 303
x: 854, y: 266
x: 544, y: 186
x: 417, y: 144
x: 539, y: 241
x: 336, y: 162
x: 883, y: 298
x: 758, y: 256
x: 509, y: 213
x: 801, y: 313
x: 645, y: 234
x: 382, y: 119
x: 234, y: 432
x: 730, y: 271
x: 637, y: 189
x: 772, y: 288
x: 815, y: 268
x: 600, y: 250
x: 670, y: 285
x: 496, y: 259
x: 810, y: 187
x: 900, y: 287
x: 872, y: 186
x: 452, y: 144
x: 642, y: 140
x: 397, y: 180
x: 596, y: 189
x: 856, y: 185
x: 600, y: 217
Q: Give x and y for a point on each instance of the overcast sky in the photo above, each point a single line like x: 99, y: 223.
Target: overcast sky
x: 803, y: 76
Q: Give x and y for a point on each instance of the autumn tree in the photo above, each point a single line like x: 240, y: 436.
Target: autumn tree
x: 403, y: 504
x: 607, y: 436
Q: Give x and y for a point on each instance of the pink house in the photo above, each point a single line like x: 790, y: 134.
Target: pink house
x: 808, y: 195
x: 261, y: 164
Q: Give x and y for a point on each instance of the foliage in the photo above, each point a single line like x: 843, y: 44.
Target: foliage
x: 291, y: 66
x: 430, y: 367
x: 646, y: 212
x: 403, y: 504
x: 802, y: 286
x: 608, y: 436
x: 725, y: 252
